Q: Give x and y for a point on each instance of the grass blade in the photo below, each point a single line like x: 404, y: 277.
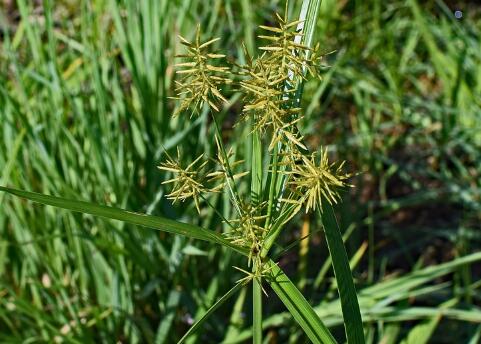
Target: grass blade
x: 165, y: 326
x: 345, y: 283
x: 414, y: 279
x: 298, y: 306
x: 216, y: 305
x: 476, y: 338
x: 308, y: 15
x: 236, y: 318
x: 421, y: 333
x: 11, y: 160
x: 150, y: 221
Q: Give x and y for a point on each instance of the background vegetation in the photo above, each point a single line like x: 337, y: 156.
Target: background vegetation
x: 84, y: 113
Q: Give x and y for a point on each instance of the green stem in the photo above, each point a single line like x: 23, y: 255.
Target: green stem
x: 298, y: 306
x: 257, y: 310
x: 256, y: 169
x: 230, y: 176
x: 217, y: 212
x: 272, y: 187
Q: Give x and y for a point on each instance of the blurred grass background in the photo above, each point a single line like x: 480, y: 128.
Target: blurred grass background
x: 84, y: 113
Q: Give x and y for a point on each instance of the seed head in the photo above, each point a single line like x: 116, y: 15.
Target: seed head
x: 188, y: 182
x: 200, y: 81
x: 248, y: 231
x: 314, y: 181
x: 286, y: 51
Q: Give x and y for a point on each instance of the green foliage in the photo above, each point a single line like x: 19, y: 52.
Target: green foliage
x: 85, y: 113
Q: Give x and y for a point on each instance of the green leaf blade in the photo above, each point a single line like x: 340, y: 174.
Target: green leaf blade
x: 298, y: 306
x: 211, y: 310
x: 156, y: 222
x: 345, y: 284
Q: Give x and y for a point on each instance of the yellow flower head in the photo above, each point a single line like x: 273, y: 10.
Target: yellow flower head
x: 315, y: 181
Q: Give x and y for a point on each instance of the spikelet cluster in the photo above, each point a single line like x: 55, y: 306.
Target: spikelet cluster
x: 188, y: 181
x: 227, y: 166
x: 286, y: 52
x: 194, y: 180
x: 248, y: 230
x: 270, y: 82
x: 201, y: 81
x: 266, y: 102
x: 315, y: 179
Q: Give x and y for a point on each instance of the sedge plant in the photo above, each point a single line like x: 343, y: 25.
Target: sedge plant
x: 293, y: 180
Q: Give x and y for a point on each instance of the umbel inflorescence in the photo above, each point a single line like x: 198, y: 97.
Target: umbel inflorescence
x: 269, y: 84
